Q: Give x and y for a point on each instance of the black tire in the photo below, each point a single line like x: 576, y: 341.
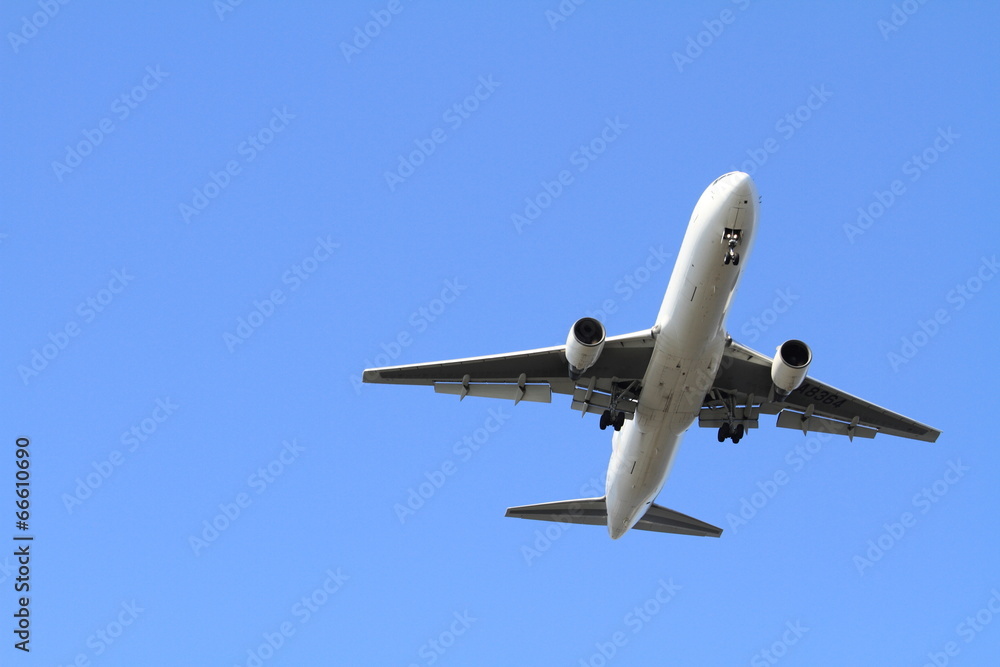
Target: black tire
x: 619, y: 421
x: 605, y: 419
x: 740, y: 432
x: 723, y: 432
x: 736, y: 258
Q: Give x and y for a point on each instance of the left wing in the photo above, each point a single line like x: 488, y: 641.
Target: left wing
x: 533, y: 375
x: 744, y: 387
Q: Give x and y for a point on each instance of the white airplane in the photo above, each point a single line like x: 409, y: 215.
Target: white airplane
x: 651, y: 385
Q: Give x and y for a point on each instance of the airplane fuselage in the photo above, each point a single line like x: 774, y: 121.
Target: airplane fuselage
x: 690, y: 338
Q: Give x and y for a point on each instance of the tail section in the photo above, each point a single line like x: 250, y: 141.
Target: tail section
x: 594, y: 512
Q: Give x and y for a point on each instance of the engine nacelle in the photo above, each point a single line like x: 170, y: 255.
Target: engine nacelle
x: 584, y: 345
x: 791, y: 362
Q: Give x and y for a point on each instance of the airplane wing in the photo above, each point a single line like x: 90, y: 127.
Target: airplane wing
x: 533, y: 375
x: 743, y: 386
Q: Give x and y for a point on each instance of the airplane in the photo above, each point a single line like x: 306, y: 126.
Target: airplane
x: 650, y: 386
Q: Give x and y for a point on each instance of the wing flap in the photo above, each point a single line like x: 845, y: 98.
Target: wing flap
x: 797, y: 420
x: 538, y: 393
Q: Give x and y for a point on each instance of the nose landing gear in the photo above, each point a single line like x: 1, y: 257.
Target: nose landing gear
x: 732, y: 238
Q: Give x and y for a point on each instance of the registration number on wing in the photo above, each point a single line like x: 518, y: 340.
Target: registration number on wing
x: 820, y: 395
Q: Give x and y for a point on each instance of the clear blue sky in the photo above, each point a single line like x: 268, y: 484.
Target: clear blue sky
x: 213, y: 220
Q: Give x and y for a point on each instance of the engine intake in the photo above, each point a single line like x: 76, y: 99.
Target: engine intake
x: 790, y: 365
x: 584, y: 345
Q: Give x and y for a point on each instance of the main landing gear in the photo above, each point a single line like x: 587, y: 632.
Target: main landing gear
x: 613, y: 416
x: 732, y: 237
x: 616, y: 419
x: 734, y: 434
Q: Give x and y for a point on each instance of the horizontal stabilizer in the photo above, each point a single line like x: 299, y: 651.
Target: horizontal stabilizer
x: 663, y: 520
x: 594, y: 512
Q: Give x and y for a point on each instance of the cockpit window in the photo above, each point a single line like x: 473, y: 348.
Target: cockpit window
x: 722, y: 177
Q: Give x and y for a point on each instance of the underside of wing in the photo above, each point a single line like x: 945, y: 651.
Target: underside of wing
x: 743, y: 389
x: 532, y: 375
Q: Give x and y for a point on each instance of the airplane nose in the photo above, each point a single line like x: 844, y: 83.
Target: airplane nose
x: 742, y: 185
x: 736, y: 185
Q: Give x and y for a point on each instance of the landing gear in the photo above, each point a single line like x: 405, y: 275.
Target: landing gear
x: 613, y: 416
x: 733, y: 433
x: 723, y: 432
x: 732, y: 238
x: 616, y: 419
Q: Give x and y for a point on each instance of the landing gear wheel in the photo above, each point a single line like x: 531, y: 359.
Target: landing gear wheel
x: 605, y: 419
x: 723, y: 432
x: 738, y: 433
x: 736, y: 258
x: 619, y: 421
x: 727, y: 259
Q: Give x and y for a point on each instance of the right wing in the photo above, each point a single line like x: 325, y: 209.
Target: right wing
x: 532, y: 375
x: 744, y: 380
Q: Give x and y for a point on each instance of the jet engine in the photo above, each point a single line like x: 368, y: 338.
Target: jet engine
x: 790, y: 365
x: 584, y: 345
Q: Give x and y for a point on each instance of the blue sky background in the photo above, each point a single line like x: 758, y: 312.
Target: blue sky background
x: 456, y: 583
